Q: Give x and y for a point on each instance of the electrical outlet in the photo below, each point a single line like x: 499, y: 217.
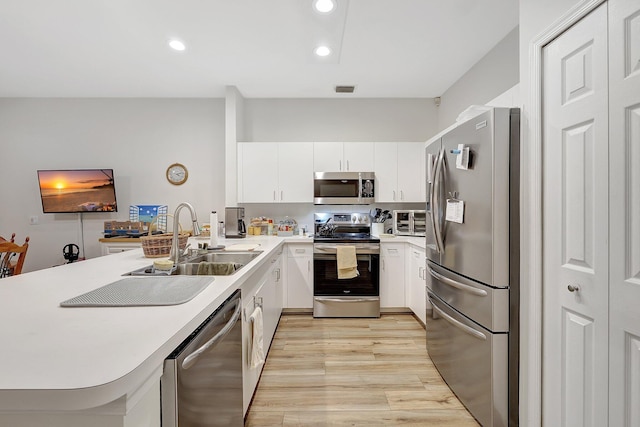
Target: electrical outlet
x: 34, y: 220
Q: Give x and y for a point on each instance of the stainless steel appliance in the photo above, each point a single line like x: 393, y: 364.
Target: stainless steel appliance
x: 234, y: 223
x: 201, y: 385
x: 356, y: 297
x: 473, y: 262
x: 343, y: 188
x: 409, y: 222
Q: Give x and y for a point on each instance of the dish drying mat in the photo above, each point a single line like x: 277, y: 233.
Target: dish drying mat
x: 142, y: 291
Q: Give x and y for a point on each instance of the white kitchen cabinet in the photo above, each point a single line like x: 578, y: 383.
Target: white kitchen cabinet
x: 299, y: 281
x: 267, y: 294
x: 343, y: 157
x: 392, y: 275
x: 417, y: 296
x: 116, y: 245
x: 277, y: 172
x: 399, y: 168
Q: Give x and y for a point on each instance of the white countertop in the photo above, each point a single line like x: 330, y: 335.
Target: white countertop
x: 56, y: 358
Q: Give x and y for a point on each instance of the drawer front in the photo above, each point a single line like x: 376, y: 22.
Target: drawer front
x: 484, y: 304
x: 299, y: 250
x: 472, y: 360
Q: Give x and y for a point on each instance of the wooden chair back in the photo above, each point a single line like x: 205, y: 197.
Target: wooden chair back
x: 9, y: 265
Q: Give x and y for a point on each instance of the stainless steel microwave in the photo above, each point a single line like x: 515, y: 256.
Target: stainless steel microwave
x: 343, y: 188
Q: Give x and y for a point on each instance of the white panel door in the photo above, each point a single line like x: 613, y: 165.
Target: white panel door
x: 575, y: 226
x: 624, y: 196
x: 386, y: 168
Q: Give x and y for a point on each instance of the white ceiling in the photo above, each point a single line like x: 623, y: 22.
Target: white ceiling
x: 118, y: 48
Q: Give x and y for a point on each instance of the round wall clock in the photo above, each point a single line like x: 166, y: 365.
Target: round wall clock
x: 177, y: 174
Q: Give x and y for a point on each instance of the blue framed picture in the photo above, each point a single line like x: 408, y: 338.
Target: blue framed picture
x: 147, y: 213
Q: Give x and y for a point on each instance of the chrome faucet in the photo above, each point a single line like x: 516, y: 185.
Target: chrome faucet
x: 175, y: 253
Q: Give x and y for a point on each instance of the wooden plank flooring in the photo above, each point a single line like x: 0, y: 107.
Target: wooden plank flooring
x: 352, y: 372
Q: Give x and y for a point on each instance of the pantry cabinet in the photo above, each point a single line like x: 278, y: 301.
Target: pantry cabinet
x: 343, y: 157
x: 400, y: 172
x: 392, y: 275
x: 275, y: 172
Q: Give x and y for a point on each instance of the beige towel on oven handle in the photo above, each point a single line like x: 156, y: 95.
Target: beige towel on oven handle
x: 347, y: 262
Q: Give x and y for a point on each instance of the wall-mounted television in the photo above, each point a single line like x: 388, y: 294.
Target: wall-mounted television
x: 77, y: 190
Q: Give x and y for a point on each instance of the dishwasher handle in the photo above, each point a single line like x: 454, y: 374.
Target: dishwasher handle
x: 191, y: 359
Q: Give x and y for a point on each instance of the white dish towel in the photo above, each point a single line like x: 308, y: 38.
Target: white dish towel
x: 256, y: 354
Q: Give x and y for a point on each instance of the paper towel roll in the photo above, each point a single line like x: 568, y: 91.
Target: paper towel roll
x: 213, y: 220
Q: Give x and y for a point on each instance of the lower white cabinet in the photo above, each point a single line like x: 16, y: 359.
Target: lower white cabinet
x: 416, y: 292
x: 299, y: 275
x: 265, y: 291
x: 114, y: 247
x: 392, y: 275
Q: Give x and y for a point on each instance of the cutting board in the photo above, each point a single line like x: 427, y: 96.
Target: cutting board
x: 242, y: 247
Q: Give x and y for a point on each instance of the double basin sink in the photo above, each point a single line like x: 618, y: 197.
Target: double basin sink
x: 209, y: 264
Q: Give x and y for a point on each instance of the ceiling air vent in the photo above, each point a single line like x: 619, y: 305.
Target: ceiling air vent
x: 345, y: 89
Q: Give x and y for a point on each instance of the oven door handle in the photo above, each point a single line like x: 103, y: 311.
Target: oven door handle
x: 191, y: 359
x: 345, y: 299
x: 456, y: 284
x: 464, y: 328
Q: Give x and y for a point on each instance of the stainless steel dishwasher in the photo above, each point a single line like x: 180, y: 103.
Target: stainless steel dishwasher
x: 201, y: 385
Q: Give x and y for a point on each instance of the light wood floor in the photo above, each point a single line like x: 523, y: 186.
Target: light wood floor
x: 352, y: 372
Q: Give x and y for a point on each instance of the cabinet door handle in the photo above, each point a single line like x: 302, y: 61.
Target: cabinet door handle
x: 300, y: 251
x: 274, y: 195
x: 339, y: 164
x: 401, y: 195
x: 308, y: 265
x: 394, y: 195
x: 281, y: 195
x: 383, y: 267
x: 347, y: 165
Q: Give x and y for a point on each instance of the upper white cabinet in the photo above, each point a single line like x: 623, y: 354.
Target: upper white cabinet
x: 343, y: 157
x: 400, y: 172
x: 277, y: 172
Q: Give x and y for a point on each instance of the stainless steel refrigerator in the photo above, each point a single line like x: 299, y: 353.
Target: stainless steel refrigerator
x: 473, y: 261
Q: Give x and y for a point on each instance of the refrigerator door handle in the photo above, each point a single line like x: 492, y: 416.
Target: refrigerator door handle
x: 456, y: 284
x: 469, y: 330
x: 435, y: 201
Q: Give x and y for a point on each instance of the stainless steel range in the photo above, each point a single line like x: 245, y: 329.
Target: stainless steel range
x: 354, y: 297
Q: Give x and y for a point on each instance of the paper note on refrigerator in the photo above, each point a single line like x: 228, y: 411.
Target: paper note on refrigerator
x: 455, y: 211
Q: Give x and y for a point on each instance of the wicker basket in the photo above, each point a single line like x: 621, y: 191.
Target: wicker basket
x: 159, y: 246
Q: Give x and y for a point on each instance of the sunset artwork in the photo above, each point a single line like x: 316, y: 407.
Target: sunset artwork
x: 80, y: 190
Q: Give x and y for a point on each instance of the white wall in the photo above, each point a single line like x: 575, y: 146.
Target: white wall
x: 371, y: 119
x: 494, y: 74
x: 138, y: 138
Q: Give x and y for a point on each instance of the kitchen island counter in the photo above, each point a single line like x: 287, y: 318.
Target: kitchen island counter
x: 57, y: 359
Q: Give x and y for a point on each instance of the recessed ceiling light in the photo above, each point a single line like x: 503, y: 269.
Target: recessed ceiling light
x: 322, y: 51
x: 177, y: 45
x: 324, y: 6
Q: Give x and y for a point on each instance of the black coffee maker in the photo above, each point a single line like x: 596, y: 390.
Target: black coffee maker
x: 234, y: 226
